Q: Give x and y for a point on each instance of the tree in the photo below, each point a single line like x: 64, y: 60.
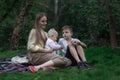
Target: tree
x: 111, y: 22
x: 56, y: 12
x: 14, y: 41
x: 8, y: 11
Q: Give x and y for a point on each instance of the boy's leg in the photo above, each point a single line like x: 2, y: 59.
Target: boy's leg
x: 81, y: 53
x: 72, y: 58
x: 74, y: 53
x: 82, y: 56
x: 69, y: 56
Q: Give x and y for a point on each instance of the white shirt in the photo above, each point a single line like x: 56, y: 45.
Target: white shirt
x: 63, y: 42
x: 54, y: 45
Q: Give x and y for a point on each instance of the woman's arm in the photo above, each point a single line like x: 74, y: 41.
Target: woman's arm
x: 50, y: 50
x: 31, y: 46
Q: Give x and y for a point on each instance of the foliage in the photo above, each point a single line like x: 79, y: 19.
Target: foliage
x: 87, y: 17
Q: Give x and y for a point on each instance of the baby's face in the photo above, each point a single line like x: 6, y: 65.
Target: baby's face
x: 54, y: 37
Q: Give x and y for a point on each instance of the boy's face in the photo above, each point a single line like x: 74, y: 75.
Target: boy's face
x: 67, y: 33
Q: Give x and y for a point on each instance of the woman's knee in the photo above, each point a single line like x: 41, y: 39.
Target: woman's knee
x: 62, y: 62
x: 69, y: 62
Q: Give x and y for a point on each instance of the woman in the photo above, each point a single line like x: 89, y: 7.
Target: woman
x: 39, y: 56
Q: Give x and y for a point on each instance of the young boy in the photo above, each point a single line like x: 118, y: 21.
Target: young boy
x: 73, y: 48
x: 51, y: 41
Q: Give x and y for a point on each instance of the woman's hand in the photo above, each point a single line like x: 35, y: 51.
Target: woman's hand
x: 50, y: 50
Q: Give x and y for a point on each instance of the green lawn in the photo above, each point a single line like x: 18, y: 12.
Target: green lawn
x: 104, y: 60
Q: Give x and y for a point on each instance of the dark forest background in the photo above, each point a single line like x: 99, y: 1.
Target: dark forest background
x: 95, y: 22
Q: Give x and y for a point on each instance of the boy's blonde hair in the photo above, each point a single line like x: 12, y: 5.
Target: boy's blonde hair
x: 67, y: 27
x: 52, y: 32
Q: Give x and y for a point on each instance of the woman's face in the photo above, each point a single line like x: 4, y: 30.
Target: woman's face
x: 43, y: 22
x: 67, y: 33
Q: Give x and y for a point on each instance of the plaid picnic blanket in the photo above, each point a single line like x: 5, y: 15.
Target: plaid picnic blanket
x: 7, y: 65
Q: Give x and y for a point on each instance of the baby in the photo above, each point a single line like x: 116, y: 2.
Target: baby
x: 51, y: 41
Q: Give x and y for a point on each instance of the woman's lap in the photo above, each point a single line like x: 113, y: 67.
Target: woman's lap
x: 40, y: 58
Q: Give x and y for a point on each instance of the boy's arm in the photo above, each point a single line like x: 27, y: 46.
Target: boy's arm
x: 78, y: 42
x: 82, y: 44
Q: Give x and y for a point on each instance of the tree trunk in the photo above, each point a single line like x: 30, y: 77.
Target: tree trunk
x: 56, y: 12
x: 112, y: 25
x: 14, y: 41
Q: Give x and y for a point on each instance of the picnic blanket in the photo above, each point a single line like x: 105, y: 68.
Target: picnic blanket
x: 6, y: 64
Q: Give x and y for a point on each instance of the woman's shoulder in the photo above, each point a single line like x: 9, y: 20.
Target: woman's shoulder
x: 32, y: 30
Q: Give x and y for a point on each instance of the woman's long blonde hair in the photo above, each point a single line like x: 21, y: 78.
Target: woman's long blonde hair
x: 37, y: 27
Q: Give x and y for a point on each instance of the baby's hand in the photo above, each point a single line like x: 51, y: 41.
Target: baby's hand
x: 62, y: 46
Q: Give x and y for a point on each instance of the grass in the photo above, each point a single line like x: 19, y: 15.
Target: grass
x: 104, y: 60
